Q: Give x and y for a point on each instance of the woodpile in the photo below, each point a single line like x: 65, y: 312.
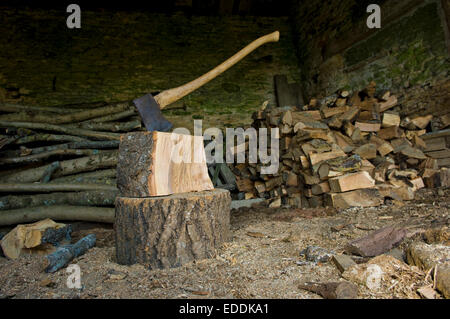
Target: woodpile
x: 60, y: 162
x: 345, y: 150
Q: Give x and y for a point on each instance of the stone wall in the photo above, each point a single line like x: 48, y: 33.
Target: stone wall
x: 121, y: 55
x: 408, y: 54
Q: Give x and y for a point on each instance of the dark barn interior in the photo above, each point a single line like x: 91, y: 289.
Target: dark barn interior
x: 382, y: 94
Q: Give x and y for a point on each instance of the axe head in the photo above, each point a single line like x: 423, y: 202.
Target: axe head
x: 151, y: 114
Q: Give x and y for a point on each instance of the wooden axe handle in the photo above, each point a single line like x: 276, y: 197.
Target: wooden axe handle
x: 169, y: 96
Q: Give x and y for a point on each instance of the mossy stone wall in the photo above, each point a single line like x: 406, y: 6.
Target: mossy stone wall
x: 408, y: 52
x: 121, y: 55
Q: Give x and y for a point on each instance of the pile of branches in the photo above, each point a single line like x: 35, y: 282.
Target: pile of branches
x: 60, y: 162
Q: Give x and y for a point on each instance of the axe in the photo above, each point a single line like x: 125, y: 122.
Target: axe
x: 150, y: 107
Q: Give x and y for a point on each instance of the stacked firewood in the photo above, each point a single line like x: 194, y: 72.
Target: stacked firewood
x: 59, y: 162
x: 438, y: 143
x: 345, y: 150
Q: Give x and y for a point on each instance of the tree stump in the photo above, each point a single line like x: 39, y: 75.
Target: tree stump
x: 169, y: 231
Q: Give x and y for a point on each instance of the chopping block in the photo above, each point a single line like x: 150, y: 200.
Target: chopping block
x: 170, y: 231
x: 168, y: 212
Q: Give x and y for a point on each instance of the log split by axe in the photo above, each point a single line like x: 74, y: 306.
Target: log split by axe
x: 150, y: 107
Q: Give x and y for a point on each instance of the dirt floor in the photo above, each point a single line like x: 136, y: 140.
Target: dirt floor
x: 263, y: 259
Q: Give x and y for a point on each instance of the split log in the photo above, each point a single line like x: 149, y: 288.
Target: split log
x: 169, y: 231
x: 390, y: 119
x: 67, y: 167
x: 350, y: 115
x: 308, y: 134
x: 383, y: 147
x: 84, y: 198
x: 318, y: 158
x: 57, y: 212
x: 310, y: 179
x: 329, y: 112
x: 260, y: 187
x: 320, y: 189
x: 400, y: 143
x: 34, y: 238
x: 351, y: 182
x: 65, y: 254
x: 400, y: 192
x: 419, y: 143
x: 62, y: 129
x: 226, y: 174
x: 368, y: 167
x: 344, y: 142
x: 276, y: 203
x: 367, y: 151
x: 368, y: 127
x: 291, y: 180
x: 357, y: 136
x: 422, y: 122
x: 418, y: 183
x: 390, y: 133
x: 358, y: 198
x: 377, y: 242
x: 157, y: 163
x: 348, y: 128
x: 244, y: 185
x: 412, y: 152
x: 273, y: 182
x: 323, y: 171
x: 411, y: 134
x: 390, y: 103
x: 430, y: 163
x: 431, y: 177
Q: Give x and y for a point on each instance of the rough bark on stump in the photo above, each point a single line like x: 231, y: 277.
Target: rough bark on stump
x: 159, y: 164
x: 169, y: 231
